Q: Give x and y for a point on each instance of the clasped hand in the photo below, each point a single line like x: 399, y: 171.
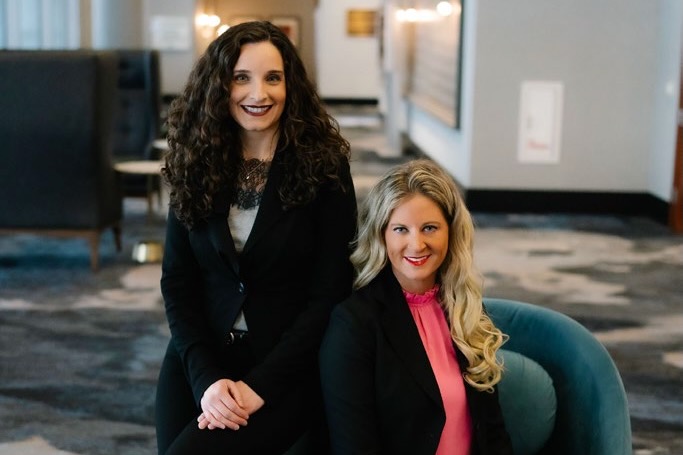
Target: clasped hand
x: 228, y: 404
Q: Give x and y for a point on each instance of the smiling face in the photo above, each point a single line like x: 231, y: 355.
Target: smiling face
x: 417, y: 242
x: 258, y: 90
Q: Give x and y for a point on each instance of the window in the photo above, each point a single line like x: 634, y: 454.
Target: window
x: 3, y: 24
x: 39, y: 24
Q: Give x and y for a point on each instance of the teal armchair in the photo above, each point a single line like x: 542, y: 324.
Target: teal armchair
x: 561, y: 392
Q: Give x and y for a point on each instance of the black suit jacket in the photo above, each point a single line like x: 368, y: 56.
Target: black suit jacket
x: 293, y: 269
x: 381, y: 396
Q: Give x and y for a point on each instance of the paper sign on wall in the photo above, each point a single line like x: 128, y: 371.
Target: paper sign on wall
x: 171, y: 33
x: 540, y: 122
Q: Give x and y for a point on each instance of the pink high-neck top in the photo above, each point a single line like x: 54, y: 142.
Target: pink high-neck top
x: 456, y: 437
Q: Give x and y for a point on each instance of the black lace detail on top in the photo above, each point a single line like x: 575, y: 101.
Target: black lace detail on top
x: 251, y: 181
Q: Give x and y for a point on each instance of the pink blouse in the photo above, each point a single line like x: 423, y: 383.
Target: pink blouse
x: 456, y: 437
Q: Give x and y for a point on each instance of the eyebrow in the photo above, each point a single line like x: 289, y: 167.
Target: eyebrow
x: 267, y: 72
x: 426, y: 223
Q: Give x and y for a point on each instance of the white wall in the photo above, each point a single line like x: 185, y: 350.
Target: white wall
x: 116, y: 24
x: 615, y: 59
x: 175, y: 65
x: 347, y: 67
x: 605, y: 55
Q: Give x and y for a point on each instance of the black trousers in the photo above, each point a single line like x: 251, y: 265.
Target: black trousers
x: 271, y: 430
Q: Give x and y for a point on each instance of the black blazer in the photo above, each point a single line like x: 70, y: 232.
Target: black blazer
x: 381, y: 396
x: 293, y: 269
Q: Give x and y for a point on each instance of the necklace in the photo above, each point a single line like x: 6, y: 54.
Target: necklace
x: 251, y: 181
x: 253, y: 173
x: 251, y: 166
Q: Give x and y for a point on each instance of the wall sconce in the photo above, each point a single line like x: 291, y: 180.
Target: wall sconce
x: 443, y: 9
x: 447, y: 8
x: 222, y: 29
x: 207, y: 21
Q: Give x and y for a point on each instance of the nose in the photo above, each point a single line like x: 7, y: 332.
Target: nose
x: 258, y: 91
x: 417, y: 242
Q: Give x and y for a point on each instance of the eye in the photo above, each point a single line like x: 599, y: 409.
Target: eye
x: 274, y: 78
x: 240, y: 77
x: 430, y: 228
x: 399, y: 229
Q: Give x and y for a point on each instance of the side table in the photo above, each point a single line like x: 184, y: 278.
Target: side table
x: 150, y: 168
x: 145, y: 251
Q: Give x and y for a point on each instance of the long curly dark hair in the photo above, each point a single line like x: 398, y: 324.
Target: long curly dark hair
x: 204, y: 139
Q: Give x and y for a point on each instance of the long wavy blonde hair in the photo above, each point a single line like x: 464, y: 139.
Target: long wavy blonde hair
x: 460, y: 291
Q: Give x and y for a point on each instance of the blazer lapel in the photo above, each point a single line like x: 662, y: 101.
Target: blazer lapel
x: 219, y: 231
x: 269, y: 211
x: 402, y: 334
x: 271, y: 206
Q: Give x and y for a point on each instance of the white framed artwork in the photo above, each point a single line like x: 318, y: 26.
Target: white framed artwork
x: 170, y: 33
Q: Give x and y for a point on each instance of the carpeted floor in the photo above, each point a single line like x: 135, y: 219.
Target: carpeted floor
x: 79, y: 352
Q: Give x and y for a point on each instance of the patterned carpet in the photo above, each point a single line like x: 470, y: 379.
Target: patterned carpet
x: 80, y: 352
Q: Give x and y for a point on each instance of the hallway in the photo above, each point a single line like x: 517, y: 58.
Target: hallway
x: 79, y: 352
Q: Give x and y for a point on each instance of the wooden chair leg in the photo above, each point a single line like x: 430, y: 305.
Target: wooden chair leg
x: 94, y: 240
x: 150, y: 195
x: 117, y: 237
x: 160, y: 198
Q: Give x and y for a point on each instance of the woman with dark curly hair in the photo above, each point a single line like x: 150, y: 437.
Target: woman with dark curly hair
x: 257, y: 249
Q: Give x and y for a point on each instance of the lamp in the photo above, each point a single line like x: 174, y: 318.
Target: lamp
x: 442, y: 9
x: 208, y: 20
x: 222, y: 29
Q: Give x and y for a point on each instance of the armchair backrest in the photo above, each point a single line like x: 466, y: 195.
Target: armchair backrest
x: 138, y: 120
x: 592, y: 416
x: 56, y: 121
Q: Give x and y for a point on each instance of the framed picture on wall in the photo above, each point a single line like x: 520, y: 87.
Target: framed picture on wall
x: 361, y: 22
x: 289, y: 25
x: 435, y: 68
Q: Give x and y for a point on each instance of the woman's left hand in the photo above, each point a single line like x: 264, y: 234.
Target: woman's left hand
x: 250, y: 401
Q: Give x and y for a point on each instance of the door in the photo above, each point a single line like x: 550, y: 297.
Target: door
x: 676, y: 207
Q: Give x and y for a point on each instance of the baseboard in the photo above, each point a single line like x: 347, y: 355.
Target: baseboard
x: 576, y: 202
x: 351, y: 101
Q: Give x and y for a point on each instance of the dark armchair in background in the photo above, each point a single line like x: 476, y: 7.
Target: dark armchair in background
x: 56, y: 170
x: 138, y: 118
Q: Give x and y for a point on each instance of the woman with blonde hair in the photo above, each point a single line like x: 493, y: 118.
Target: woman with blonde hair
x: 408, y: 363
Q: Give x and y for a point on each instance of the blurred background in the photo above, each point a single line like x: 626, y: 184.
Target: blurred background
x: 560, y: 121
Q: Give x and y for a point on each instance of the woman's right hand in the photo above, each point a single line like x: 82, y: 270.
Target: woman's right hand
x: 222, y: 407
